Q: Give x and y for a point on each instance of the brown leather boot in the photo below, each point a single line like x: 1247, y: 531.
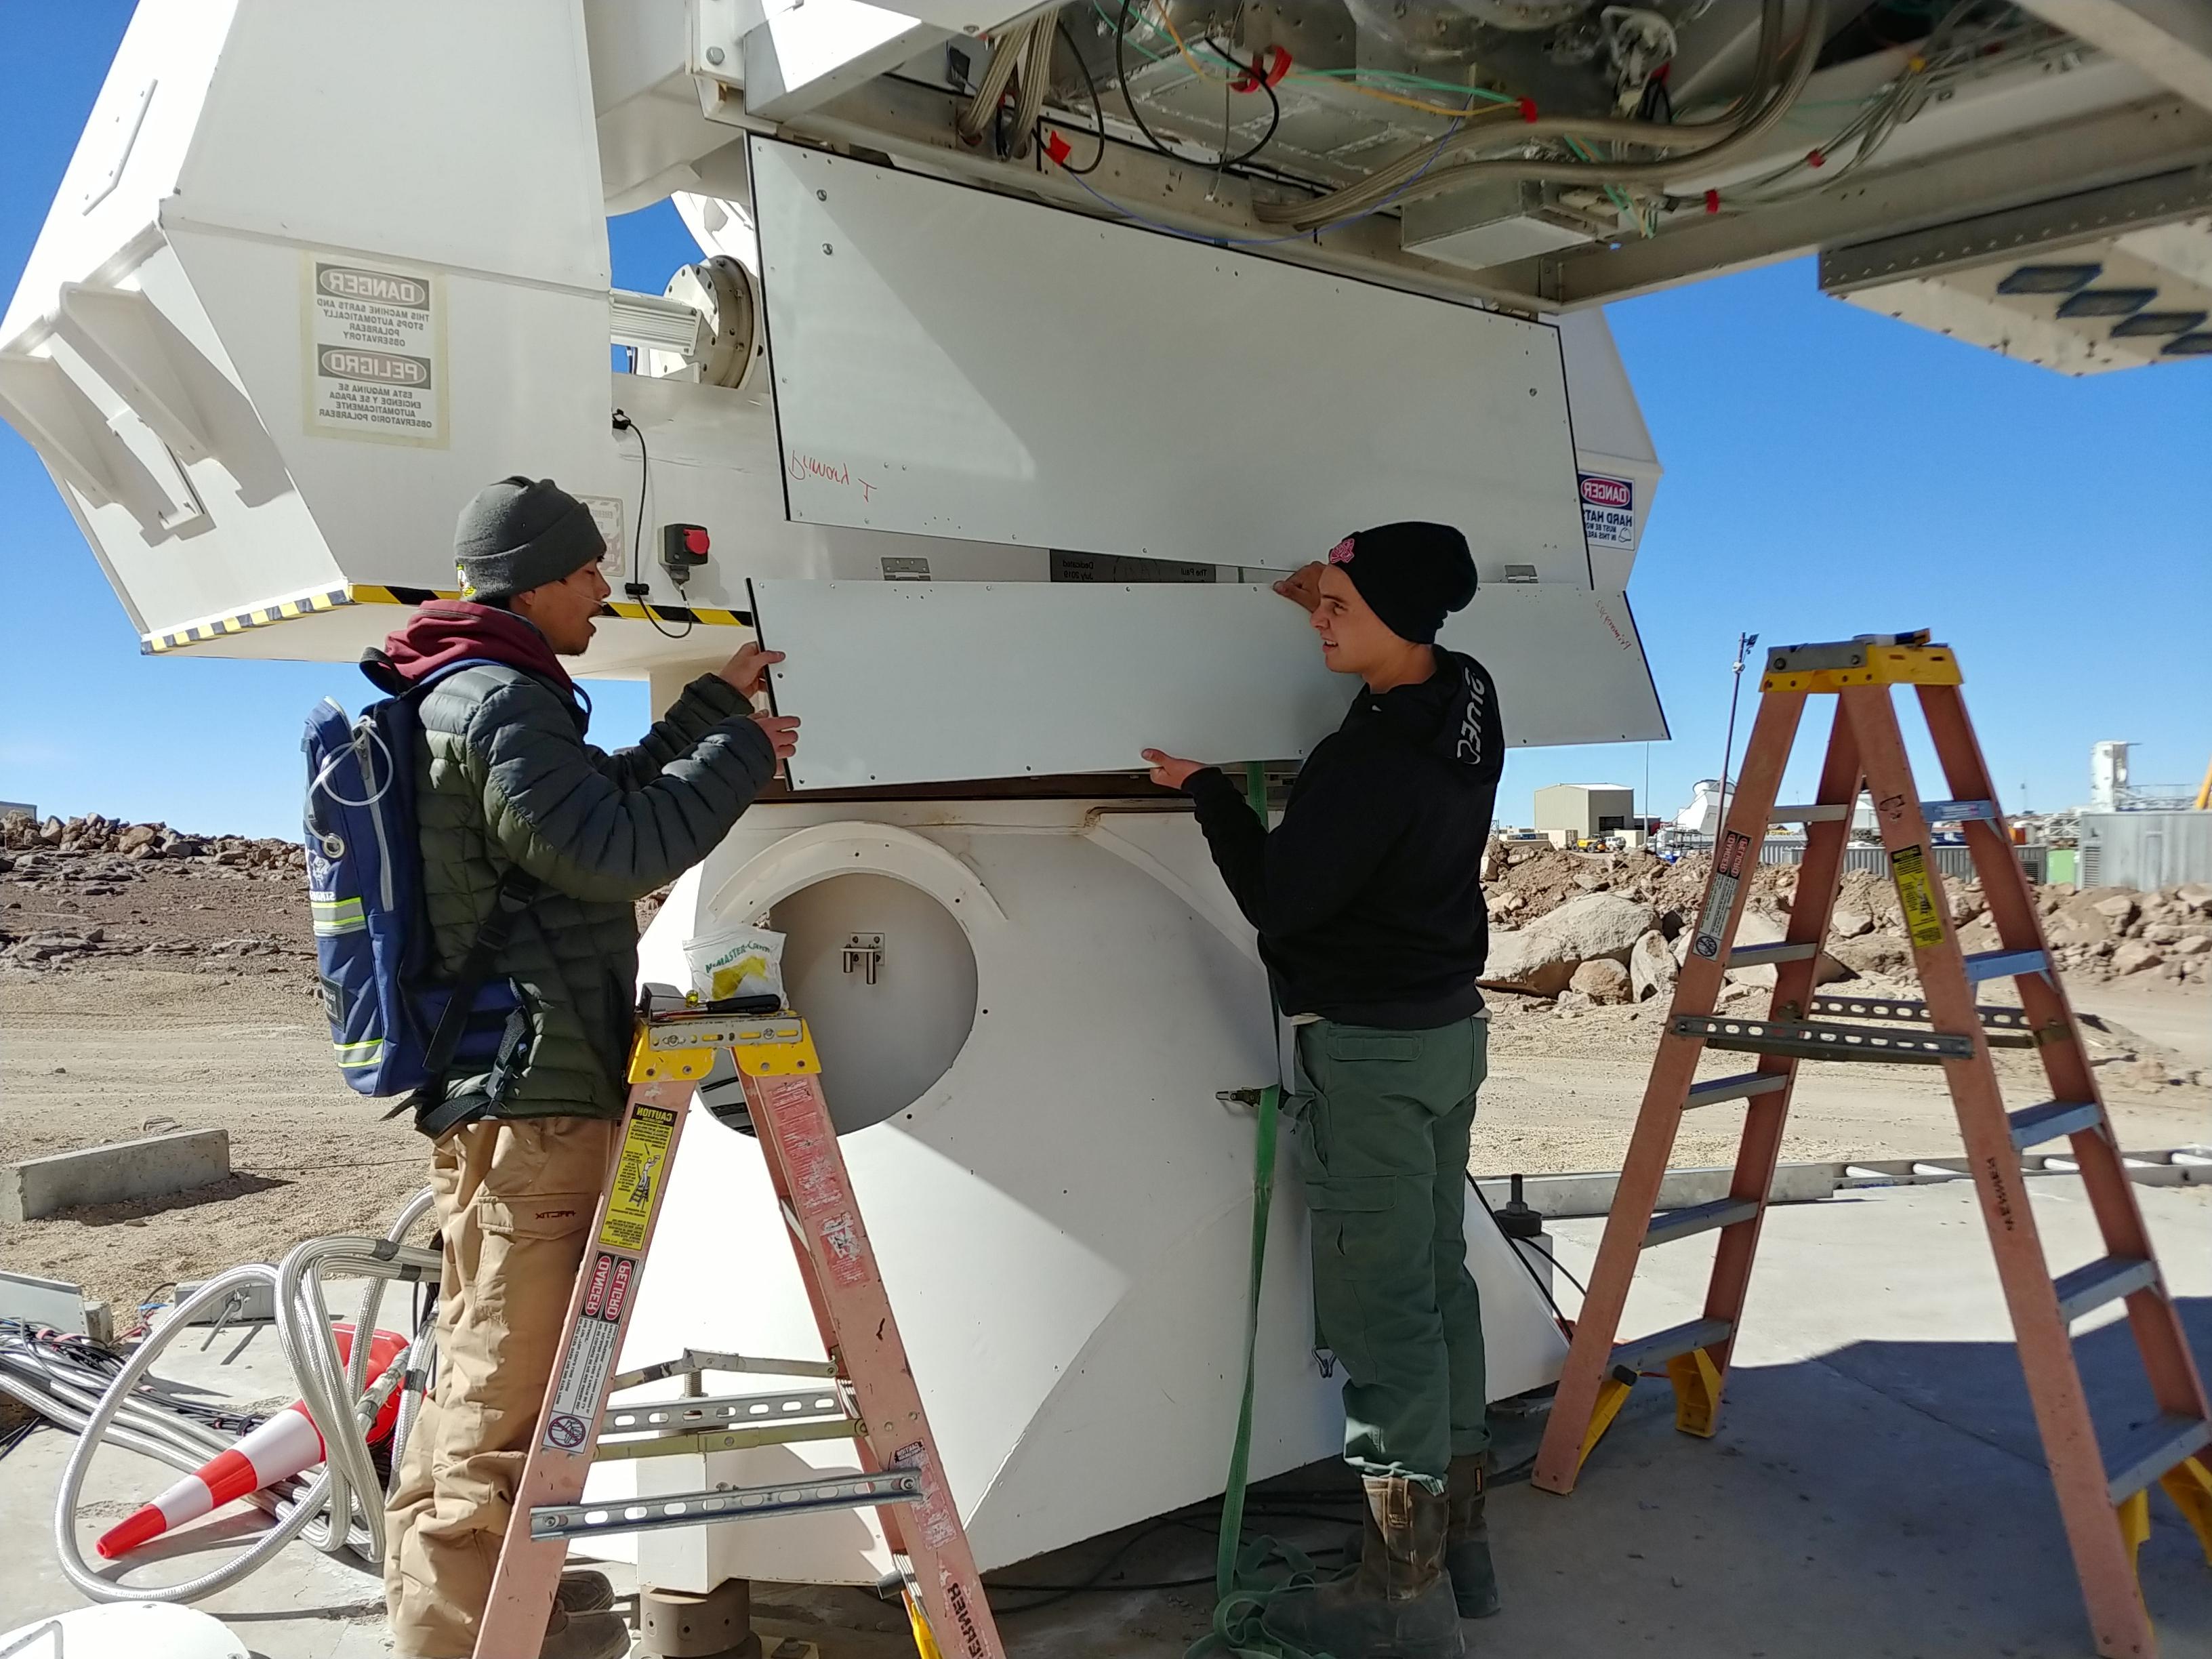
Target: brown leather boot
x: 1397, y: 1604
x: 1467, y: 1536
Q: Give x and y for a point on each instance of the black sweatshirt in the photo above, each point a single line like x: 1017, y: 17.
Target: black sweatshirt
x: 1368, y: 895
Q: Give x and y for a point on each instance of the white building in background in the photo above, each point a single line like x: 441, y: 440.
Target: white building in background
x: 2108, y: 775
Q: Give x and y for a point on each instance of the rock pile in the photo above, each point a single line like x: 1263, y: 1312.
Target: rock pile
x: 97, y: 848
x: 1611, y: 927
x: 93, y: 889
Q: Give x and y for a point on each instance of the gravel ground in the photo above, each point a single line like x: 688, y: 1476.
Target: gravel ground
x: 196, y: 1007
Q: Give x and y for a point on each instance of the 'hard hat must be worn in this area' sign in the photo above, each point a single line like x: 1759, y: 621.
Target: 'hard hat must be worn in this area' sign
x: 375, y: 352
x: 1608, y: 511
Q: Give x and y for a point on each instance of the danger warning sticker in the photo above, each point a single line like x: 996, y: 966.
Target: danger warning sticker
x: 375, y: 353
x: 640, y: 1170
x: 589, y: 1360
x: 1720, y: 896
x: 1608, y: 511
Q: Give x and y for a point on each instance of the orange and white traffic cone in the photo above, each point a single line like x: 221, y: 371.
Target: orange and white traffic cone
x: 286, y: 1445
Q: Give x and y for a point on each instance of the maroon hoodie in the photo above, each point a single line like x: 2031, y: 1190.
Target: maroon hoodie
x: 448, y: 631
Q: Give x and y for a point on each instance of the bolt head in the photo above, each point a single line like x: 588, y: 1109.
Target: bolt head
x: 826, y: 249
x: 713, y: 54
x: 821, y: 195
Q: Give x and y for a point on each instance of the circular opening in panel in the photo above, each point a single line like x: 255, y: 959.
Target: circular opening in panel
x: 885, y: 977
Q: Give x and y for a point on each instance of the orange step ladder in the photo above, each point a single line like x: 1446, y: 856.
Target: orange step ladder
x: 870, y: 1396
x: 2103, y: 1488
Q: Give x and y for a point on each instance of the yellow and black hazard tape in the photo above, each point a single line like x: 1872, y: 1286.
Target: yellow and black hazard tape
x: 305, y: 605
x: 681, y: 613
x: 308, y: 604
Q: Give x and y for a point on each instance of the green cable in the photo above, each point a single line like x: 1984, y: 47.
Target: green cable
x: 1246, y: 1576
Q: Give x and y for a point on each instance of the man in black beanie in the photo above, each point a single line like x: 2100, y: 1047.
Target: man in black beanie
x: 515, y: 809
x: 1368, y: 900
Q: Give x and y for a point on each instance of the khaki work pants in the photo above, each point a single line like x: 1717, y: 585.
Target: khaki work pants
x: 515, y: 1203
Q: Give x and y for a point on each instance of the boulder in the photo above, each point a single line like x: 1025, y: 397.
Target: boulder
x: 2197, y: 895
x: 1542, y: 957
x: 1850, y: 924
x: 1602, y: 979
x: 1965, y: 904
x: 2135, y: 956
x: 1652, y: 969
x: 2161, y: 932
x: 137, y: 836
x: 2191, y: 944
x: 1873, y: 953
x: 1760, y: 927
x: 2119, y: 909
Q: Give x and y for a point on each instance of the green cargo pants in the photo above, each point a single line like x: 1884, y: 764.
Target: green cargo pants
x: 1382, y: 1147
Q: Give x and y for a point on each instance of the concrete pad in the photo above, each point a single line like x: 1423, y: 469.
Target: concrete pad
x: 1875, y: 1489
x: 153, y: 1167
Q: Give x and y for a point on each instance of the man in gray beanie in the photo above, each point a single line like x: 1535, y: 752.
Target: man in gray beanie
x: 516, y: 812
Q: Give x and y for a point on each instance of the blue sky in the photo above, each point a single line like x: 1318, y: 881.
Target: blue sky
x: 1829, y: 472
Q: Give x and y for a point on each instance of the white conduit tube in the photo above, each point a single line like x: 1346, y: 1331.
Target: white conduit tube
x: 343, y: 1507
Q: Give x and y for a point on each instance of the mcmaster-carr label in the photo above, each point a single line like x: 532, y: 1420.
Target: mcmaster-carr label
x: 375, y: 353
x: 1608, y: 511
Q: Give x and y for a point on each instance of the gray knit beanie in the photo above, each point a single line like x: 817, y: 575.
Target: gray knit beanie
x: 521, y: 533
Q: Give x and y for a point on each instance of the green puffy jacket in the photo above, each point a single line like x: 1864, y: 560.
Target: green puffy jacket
x: 506, y: 778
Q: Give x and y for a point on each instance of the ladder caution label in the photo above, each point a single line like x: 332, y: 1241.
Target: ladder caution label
x: 639, y: 1170
x: 1908, y: 868
x: 589, y: 1360
x: 1720, y: 896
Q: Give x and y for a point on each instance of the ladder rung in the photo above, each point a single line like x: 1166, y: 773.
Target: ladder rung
x: 673, y: 1416
x: 2003, y: 1027
x: 1775, y: 1036
x: 1814, y: 813
x: 2152, y: 1450
x: 1662, y: 1345
x: 687, y: 1443
x: 1699, y: 1219
x: 2004, y: 965
x: 1715, y: 1090
x: 2102, y: 1281
x: 2031, y: 1125
x: 699, y: 1509
x: 1753, y: 956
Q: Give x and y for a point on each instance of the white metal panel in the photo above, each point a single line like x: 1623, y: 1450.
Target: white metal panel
x: 937, y: 682
x: 951, y: 362
x: 1064, y: 1219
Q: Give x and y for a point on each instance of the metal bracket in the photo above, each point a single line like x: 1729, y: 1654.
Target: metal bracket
x: 699, y: 1509
x: 863, y: 953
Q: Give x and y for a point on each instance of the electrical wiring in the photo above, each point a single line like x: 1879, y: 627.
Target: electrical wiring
x: 1947, y: 51
x: 1534, y: 1278
x: 1318, y: 212
x: 1355, y: 77
x: 1121, y: 72
x: 1123, y: 211
x: 1036, y: 73
x: 636, y: 588
x: 982, y: 109
x: 1098, y: 104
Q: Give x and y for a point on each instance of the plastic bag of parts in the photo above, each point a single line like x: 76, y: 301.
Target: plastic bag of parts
x: 736, y: 962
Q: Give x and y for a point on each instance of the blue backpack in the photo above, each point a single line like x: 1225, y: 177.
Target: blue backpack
x: 397, y: 1030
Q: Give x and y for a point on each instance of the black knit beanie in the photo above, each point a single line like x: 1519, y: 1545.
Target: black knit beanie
x: 521, y: 533
x: 1413, y: 575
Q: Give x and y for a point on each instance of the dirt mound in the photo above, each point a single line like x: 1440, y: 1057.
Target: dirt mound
x: 2098, y: 934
